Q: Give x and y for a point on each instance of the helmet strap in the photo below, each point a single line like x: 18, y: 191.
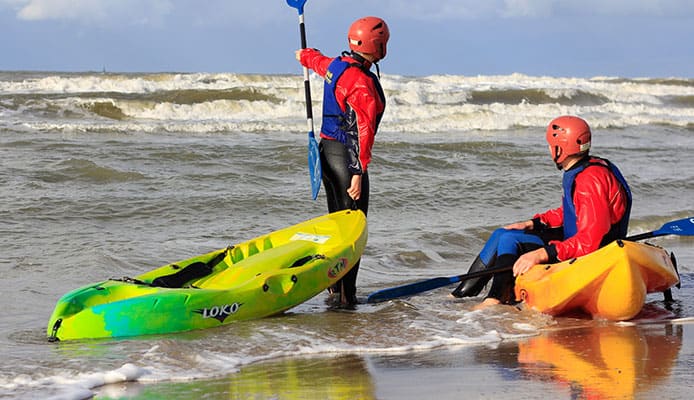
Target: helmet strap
x: 356, y: 56
x: 360, y: 59
x: 557, y: 154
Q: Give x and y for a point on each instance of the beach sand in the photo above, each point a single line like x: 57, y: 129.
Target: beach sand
x: 574, y: 360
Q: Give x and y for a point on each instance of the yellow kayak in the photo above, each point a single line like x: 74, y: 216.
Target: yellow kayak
x: 254, y: 279
x: 610, y: 283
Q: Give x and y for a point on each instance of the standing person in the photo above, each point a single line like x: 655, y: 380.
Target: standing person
x: 353, y: 104
x: 596, y: 203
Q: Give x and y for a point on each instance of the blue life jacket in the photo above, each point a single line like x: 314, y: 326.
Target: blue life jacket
x: 339, y: 125
x: 618, y: 230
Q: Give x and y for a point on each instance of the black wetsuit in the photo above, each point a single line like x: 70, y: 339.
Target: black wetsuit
x: 337, y: 179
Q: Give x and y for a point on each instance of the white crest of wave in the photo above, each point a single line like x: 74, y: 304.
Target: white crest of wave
x: 437, y: 103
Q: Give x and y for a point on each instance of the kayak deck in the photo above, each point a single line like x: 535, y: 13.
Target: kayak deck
x: 610, y: 283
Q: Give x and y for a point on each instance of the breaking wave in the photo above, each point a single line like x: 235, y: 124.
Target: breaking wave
x: 228, y: 103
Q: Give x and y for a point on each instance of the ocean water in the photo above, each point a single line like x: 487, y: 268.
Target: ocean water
x: 111, y: 175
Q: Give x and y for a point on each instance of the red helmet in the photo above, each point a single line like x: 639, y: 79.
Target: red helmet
x: 369, y: 35
x: 566, y: 136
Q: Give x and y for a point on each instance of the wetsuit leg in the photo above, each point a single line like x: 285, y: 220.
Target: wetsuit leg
x: 336, y: 180
x: 349, y: 281
x: 472, y: 287
x: 486, y: 258
x: 503, y: 283
x: 511, y: 246
x: 502, y: 242
x: 336, y: 175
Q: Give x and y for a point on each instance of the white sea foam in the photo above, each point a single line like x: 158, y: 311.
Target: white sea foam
x: 73, y: 387
x: 275, y: 103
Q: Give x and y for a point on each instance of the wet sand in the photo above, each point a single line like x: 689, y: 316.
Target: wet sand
x: 574, y: 360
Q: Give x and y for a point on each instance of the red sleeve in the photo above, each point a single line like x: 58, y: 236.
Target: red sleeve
x: 552, y: 218
x: 358, y: 90
x: 315, y: 60
x: 594, y: 193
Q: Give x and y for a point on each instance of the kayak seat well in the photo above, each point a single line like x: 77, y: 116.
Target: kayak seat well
x: 289, y: 255
x: 186, y: 274
x: 192, y: 271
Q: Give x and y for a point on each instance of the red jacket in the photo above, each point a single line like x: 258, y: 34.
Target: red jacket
x: 356, y: 89
x: 600, y: 202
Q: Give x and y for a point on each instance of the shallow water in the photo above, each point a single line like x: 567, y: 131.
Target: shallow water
x: 83, y: 205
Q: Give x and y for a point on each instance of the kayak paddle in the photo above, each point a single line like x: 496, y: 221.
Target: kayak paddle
x: 681, y: 227
x: 314, y: 166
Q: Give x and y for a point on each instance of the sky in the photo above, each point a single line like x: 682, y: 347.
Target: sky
x: 561, y: 38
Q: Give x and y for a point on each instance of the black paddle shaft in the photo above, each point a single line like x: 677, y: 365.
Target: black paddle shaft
x: 307, y: 83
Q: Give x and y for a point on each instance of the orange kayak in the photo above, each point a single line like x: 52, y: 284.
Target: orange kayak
x: 610, y: 283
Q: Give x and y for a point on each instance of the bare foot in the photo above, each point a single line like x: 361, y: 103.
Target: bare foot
x: 488, y: 302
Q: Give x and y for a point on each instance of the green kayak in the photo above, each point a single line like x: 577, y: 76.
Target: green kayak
x: 257, y: 278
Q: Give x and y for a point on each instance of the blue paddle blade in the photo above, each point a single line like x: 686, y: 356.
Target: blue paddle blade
x: 682, y: 227
x: 314, y: 165
x: 298, y: 4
